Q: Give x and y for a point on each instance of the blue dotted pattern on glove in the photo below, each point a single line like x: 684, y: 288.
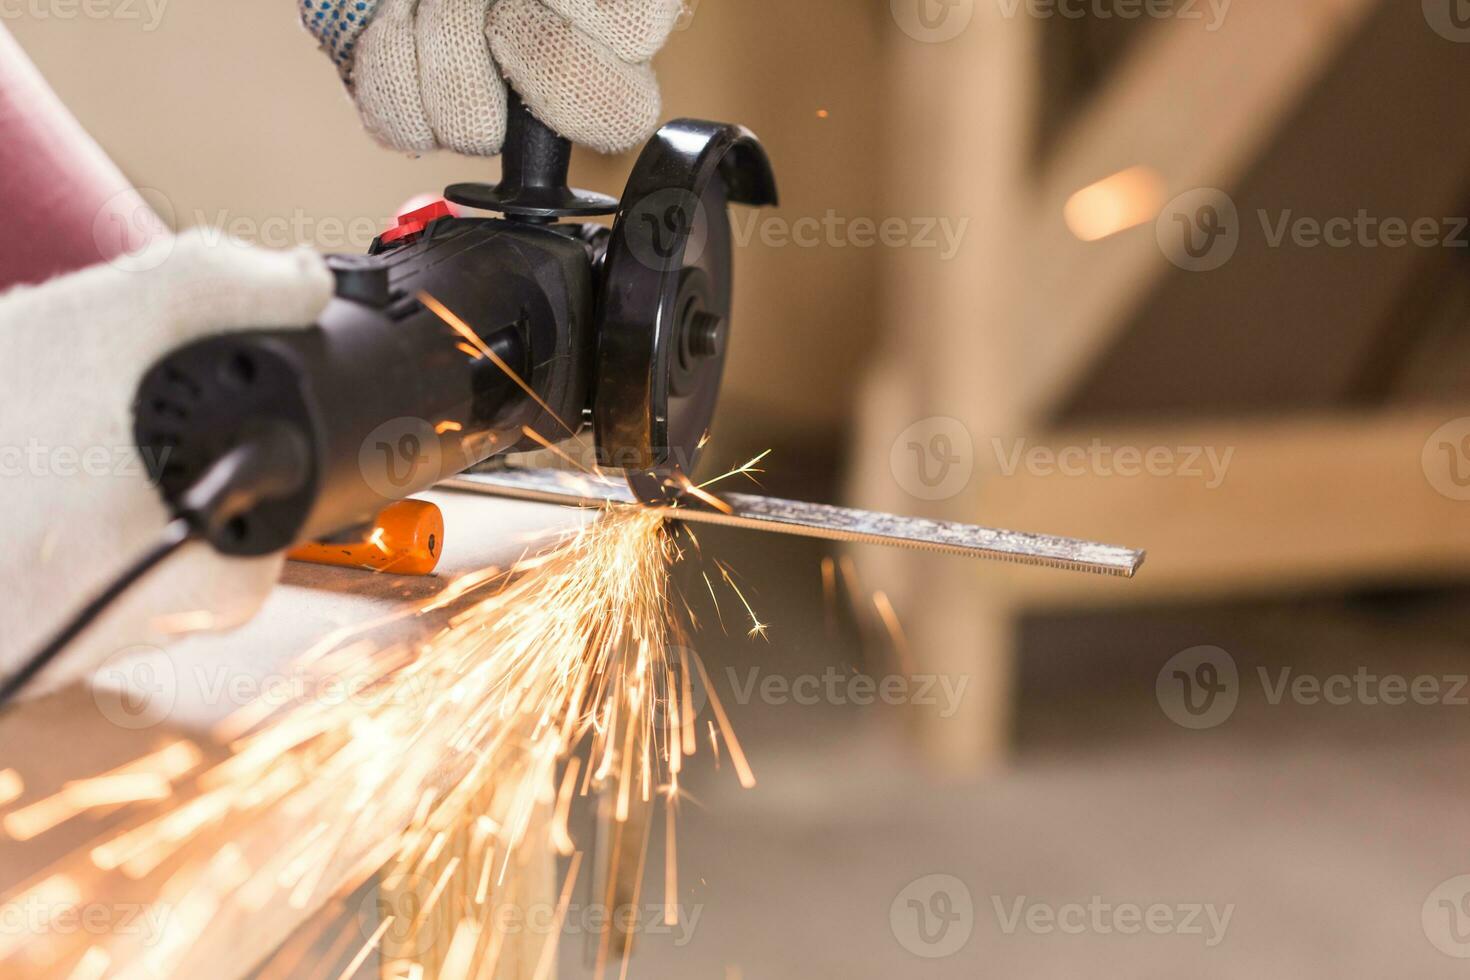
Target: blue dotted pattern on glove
x: 337, y: 24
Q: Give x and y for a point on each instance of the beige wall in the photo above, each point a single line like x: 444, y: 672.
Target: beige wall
x: 227, y: 109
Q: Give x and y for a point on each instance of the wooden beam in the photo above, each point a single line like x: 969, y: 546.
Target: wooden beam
x: 1197, y: 108
x: 1294, y: 504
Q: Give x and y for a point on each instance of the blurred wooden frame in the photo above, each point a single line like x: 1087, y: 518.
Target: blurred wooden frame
x: 1312, y: 500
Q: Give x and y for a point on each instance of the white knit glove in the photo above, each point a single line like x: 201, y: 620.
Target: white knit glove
x: 75, y: 495
x: 428, y: 74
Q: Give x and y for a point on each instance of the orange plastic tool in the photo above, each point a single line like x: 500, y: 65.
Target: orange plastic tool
x: 406, y: 539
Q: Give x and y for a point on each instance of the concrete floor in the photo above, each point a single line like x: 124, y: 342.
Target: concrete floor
x: 1322, y: 831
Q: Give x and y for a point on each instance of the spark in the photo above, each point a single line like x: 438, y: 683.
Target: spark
x: 671, y: 866
x: 92, y: 966
x: 899, y: 640
x: 1116, y: 203
x: 716, y: 600
x: 557, y: 451
x: 757, y: 628
x: 367, y: 948
x: 11, y: 786
x: 479, y: 346
x: 460, y: 958
x: 564, y: 675
x: 747, y: 469
x: 704, y: 495
x: 448, y: 426
x: 548, y: 952
x: 829, y: 594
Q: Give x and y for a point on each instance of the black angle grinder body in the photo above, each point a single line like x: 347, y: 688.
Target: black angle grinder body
x: 456, y: 336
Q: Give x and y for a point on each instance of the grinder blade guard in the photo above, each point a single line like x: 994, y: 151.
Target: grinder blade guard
x: 667, y: 286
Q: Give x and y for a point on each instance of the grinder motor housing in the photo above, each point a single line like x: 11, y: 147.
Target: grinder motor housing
x: 622, y: 330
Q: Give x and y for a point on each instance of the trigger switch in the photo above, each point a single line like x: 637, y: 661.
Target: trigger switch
x: 360, y: 280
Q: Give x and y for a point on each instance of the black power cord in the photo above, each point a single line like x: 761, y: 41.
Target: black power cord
x: 273, y: 463
x: 174, y: 536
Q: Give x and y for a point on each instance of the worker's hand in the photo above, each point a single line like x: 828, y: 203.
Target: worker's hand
x: 428, y: 74
x: 75, y: 493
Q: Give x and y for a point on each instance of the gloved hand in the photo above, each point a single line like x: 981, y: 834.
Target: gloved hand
x: 75, y: 493
x: 428, y: 74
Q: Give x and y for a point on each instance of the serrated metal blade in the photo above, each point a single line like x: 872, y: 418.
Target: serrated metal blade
x: 817, y: 521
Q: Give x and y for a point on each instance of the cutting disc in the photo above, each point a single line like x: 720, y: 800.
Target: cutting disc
x: 662, y: 348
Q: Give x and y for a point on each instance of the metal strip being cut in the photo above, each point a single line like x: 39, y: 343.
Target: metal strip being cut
x: 818, y: 521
